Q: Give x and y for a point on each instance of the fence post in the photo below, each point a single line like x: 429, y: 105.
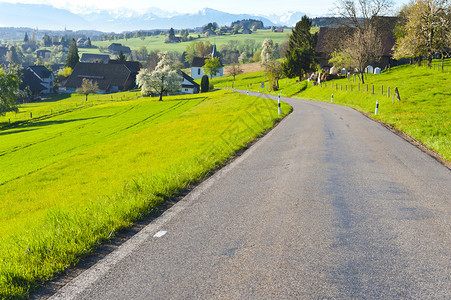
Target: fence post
x: 397, y: 94
x: 388, y: 92
x: 373, y: 89
x: 382, y: 89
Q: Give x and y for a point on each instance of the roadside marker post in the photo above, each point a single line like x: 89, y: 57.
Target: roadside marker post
x: 332, y: 98
x: 377, y: 107
x: 278, y: 104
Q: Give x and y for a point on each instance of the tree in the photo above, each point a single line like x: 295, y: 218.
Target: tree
x: 121, y: 56
x: 426, y: 29
x: 274, y: 71
x: 204, y: 84
x: 12, y: 56
x: 235, y: 69
x: 162, y: 80
x: 171, y: 34
x: 9, y: 90
x: 267, y: 51
x: 361, y: 48
x: 298, y: 62
x: 212, y: 66
x: 25, y: 39
x: 361, y: 13
x: 300, y: 56
x: 72, y: 55
x: 88, y: 43
x: 242, y: 58
x: 88, y: 87
x: 142, y: 53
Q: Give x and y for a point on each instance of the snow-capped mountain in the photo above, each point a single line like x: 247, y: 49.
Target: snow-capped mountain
x: 119, y: 20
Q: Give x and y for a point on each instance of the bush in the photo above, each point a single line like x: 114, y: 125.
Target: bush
x: 204, y: 84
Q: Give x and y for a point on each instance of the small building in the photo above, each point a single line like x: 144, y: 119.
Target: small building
x: 115, y: 48
x: 329, y: 40
x: 38, y: 79
x: 198, y: 63
x: 95, y: 58
x: 43, y: 54
x: 45, y: 76
x: 280, y: 29
x: 110, y: 78
x: 189, y: 86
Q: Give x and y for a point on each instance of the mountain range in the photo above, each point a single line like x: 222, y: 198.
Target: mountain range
x: 45, y: 16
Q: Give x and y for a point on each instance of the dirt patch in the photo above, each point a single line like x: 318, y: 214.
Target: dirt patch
x: 247, y: 68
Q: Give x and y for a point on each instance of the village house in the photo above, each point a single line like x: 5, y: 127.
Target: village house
x: 197, y: 64
x: 189, y: 86
x: 111, y: 78
x: 115, y: 48
x: 43, y: 54
x: 329, y: 40
x: 38, y: 79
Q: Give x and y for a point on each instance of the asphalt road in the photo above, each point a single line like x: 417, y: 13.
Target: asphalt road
x: 328, y: 205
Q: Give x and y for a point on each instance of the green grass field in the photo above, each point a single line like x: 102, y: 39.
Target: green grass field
x: 71, y: 179
x: 424, y: 111
x: 157, y: 42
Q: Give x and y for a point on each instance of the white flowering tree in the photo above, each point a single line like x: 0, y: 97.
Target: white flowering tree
x: 267, y: 51
x: 160, y: 81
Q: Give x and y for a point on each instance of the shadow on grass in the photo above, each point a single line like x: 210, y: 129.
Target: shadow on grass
x: 29, y: 124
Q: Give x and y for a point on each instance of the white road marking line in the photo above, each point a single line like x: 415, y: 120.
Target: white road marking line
x: 160, y: 233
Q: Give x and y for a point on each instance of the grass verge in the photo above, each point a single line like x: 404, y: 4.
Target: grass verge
x: 60, y: 211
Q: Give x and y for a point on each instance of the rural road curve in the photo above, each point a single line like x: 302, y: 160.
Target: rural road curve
x: 328, y: 205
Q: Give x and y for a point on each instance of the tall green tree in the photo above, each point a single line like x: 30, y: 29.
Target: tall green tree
x: 121, y: 56
x: 72, y: 55
x: 204, y: 84
x: 212, y: 66
x: 9, y: 90
x: 426, y: 29
x: 25, y: 39
x: 171, y: 34
x: 300, y: 56
x: 13, y: 56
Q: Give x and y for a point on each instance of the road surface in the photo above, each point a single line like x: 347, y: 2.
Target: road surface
x: 328, y: 205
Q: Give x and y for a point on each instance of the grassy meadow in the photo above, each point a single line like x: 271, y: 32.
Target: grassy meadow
x: 423, y: 113
x: 157, y: 42
x: 73, y: 177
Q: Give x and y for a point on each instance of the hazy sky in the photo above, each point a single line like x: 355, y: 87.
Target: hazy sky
x: 266, y: 7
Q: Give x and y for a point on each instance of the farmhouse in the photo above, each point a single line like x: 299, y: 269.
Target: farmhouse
x: 189, y: 86
x: 115, y: 48
x: 198, y: 62
x: 44, y: 54
x: 111, y: 77
x: 38, y: 79
x: 329, y: 40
